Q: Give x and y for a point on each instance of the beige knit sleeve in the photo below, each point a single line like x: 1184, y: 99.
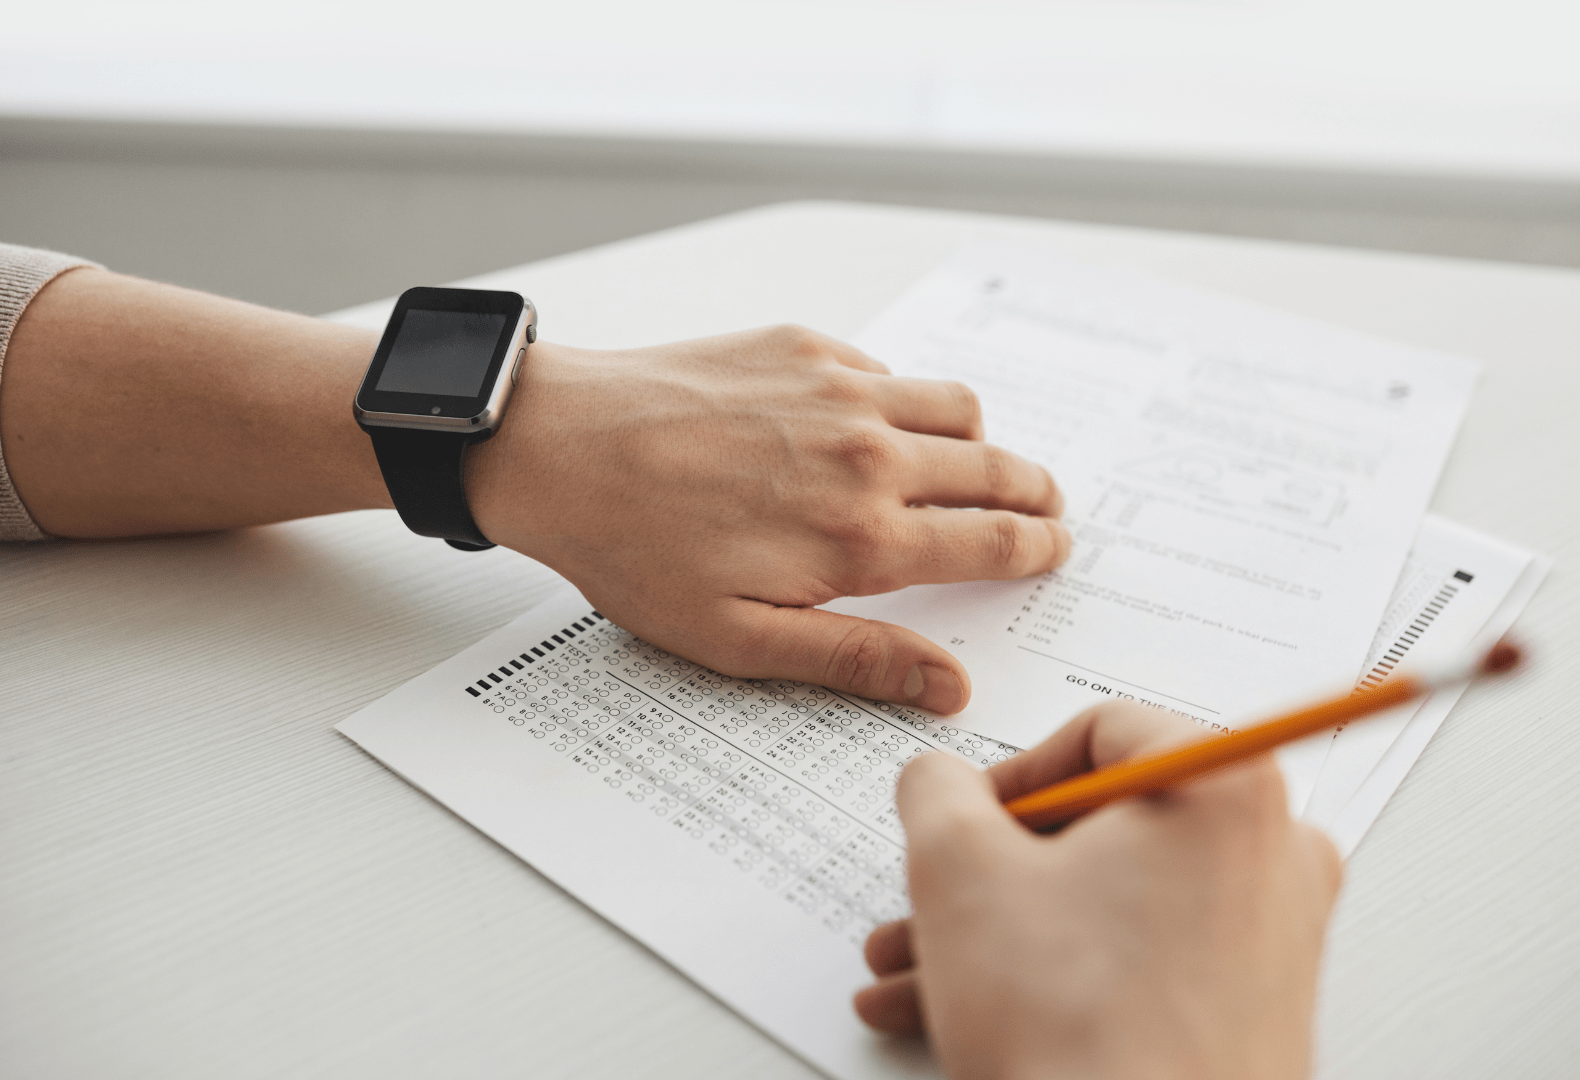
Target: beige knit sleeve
x: 23, y: 272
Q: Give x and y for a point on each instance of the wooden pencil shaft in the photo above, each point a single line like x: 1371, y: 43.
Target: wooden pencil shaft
x: 1155, y: 772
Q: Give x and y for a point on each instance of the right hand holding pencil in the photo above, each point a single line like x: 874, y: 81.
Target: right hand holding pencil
x: 1177, y: 934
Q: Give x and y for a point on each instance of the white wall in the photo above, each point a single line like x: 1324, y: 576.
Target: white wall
x: 313, y: 153
x: 314, y: 219
x: 1455, y: 87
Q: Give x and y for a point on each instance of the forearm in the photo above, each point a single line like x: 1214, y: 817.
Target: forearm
x: 130, y: 408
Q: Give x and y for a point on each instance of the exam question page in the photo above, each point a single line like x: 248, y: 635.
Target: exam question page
x: 1242, y: 485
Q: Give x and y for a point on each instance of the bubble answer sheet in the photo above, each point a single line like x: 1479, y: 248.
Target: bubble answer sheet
x: 1460, y: 591
x: 745, y: 831
x: 1242, y: 484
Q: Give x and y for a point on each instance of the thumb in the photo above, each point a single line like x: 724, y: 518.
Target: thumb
x: 954, y: 823
x: 859, y: 656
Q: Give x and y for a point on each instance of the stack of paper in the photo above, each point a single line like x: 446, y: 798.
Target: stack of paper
x: 1244, y: 487
x: 1248, y: 494
x: 1460, y: 590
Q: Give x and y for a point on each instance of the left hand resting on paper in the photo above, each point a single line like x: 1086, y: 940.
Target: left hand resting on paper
x: 706, y: 495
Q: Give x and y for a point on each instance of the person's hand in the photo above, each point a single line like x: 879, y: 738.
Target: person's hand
x: 707, y: 495
x: 1174, y: 935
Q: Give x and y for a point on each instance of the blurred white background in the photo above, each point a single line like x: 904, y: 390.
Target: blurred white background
x: 1448, y: 126
x: 1478, y: 86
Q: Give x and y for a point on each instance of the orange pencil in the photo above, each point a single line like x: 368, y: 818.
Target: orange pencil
x: 1154, y: 772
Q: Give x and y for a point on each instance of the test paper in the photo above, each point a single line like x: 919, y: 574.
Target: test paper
x: 734, y: 827
x: 1349, y: 824
x: 1242, y: 484
x: 741, y: 826
x: 1454, y: 581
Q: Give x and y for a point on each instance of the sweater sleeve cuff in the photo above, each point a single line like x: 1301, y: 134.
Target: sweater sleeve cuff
x: 23, y: 272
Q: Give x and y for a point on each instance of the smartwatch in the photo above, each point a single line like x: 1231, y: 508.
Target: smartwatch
x: 439, y: 382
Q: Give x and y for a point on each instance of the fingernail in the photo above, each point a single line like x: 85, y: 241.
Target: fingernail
x: 934, y: 688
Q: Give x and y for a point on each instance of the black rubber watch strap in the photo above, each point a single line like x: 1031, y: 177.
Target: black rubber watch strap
x: 422, y: 470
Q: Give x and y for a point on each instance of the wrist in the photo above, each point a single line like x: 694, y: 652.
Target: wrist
x: 359, y: 485
x: 499, y: 472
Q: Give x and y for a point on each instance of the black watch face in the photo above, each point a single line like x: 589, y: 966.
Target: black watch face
x: 441, y: 352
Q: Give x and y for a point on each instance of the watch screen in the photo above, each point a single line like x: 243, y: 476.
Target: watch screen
x: 441, y: 353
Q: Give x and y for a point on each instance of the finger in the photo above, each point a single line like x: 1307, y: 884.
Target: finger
x: 1100, y: 736
x: 888, y: 948
x: 973, y: 545
x: 954, y: 472
x: 1126, y: 729
x: 1329, y: 869
x: 859, y: 656
x: 891, y: 1005
x: 954, y: 824
x: 929, y: 407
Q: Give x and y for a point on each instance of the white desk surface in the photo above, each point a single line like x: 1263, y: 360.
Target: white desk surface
x: 202, y: 879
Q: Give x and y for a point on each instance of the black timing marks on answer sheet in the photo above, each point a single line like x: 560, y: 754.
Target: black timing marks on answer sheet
x: 1380, y: 671
x: 535, y: 653
x: 1389, y: 660
x: 1408, y: 637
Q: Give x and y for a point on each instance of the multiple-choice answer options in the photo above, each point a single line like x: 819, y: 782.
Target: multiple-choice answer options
x: 791, y: 784
x: 743, y: 829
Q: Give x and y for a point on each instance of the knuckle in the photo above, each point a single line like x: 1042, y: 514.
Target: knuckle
x: 839, y: 386
x: 797, y: 341
x: 866, y: 452
x: 860, y: 532
x: 1055, y: 495
x: 863, y: 543
x: 1006, y: 544
x: 861, y: 660
x: 965, y: 400
x: 998, y: 468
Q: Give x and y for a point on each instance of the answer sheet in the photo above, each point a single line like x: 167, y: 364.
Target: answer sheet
x: 1460, y: 591
x: 1242, y: 485
x: 743, y: 830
